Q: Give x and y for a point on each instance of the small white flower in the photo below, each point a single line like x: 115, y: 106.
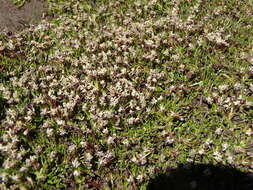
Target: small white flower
x: 134, y: 159
x: 249, y: 132
x: 53, y: 111
x: 209, y: 142
x: 10, y: 45
x: 166, y: 52
x: 62, y: 131
x: 130, y: 179
x: 60, y: 122
x: 169, y: 140
x: 46, y: 124
x: 28, y: 162
x: 209, y: 100
x: 162, y: 108
x: 75, y: 163
x: 8, y: 163
x: 140, y: 178
x: 223, y: 88
x: 44, y: 111
x: 217, y: 156
x: 105, y: 131
x: 192, y: 153
x: 175, y: 57
x: 131, y: 121
x: 237, y: 86
x: 236, y: 103
x: 23, y: 169
x: 88, y: 157
x: 53, y: 154
x: 201, y: 151
x: 125, y: 142
x: 162, y: 158
x: 76, y: 173
x: 224, y: 147
x: 72, y: 148
x: 28, y: 118
x: 218, y: 131
x: 49, y: 132
x: 110, y: 140
x: 230, y: 157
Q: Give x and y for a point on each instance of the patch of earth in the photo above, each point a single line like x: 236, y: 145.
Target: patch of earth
x: 14, y: 19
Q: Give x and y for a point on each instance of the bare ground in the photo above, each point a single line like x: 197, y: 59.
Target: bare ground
x: 15, y: 19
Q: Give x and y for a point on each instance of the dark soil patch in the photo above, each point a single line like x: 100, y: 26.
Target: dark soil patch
x: 15, y: 19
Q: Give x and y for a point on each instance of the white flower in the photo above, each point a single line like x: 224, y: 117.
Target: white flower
x: 71, y: 148
x: 102, y: 162
x: 62, y: 131
x: 224, y: 147
x: 32, y: 158
x: 130, y: 179
x: 44, y: 111
x: 53, y: 111
x: 217, y: 156
x: 223, y: 88
x: 88, y: 157
x: 131, y: 121
x: 53, y: 154
x: 140, y: 178
x: 10, y: 45
x: 249, y: 132
x: 105, y: 131
x: 209, y: 100
x: 175, y: 57
x: 16, y: 96
x: 166, y: 52
x: 162, y: 108
x: 28, y: 162
x: 110, y: 140
x: 46, y: 124
x: 218, y: 131
x: 134, y: 159
x: 169, y: 140
x: 154, y: 101
x: 60, y: 122
x: 125, y: 142
x: 192, y: 153
x: 201, y: 151
x: 8, y: 163
x: 230, y: 157
x: 76, y: 173
x: 23, y: 169
x: 237, y: 86
x: 28, y: 118
x: 49, y: 132
x: 75, y: 163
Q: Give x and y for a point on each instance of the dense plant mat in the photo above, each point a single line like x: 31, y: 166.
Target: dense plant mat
x: 110, y: 94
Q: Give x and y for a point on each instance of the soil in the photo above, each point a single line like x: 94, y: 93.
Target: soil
x: 15, y: 19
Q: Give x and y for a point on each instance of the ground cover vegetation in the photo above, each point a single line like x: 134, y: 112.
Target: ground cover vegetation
x: 109, y: 95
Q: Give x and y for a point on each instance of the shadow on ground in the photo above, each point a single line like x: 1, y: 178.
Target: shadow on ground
x: 202, y: 177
